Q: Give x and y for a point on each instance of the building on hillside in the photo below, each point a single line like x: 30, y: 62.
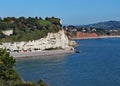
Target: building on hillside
x: 7, y: 32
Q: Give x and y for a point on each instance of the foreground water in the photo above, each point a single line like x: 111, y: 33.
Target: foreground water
x: 98, y: 64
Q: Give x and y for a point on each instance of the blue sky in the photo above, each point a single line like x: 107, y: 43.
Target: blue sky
x: 75, y: 12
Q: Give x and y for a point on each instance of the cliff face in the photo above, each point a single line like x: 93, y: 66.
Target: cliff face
x: 53, y: 40
x: 84, y: 35
x: 57, y: 40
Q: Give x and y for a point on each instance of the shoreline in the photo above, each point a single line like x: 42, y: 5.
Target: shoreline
x: 98, y: 37
x: 40, y: 53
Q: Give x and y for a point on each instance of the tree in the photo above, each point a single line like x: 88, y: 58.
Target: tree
x: 8, y: 75
x: 7, y: 19
x: 15, y: 31
x: 54, y: 20
x: 22, y: 19
x: 1, y: 34
x: 0, y: 19
x: 41, y: 83
x: 25, y: 28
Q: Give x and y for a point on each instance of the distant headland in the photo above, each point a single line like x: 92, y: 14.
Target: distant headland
x: 106, y: 29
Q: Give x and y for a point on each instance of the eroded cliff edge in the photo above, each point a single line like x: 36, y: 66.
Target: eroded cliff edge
x: 57, y: 40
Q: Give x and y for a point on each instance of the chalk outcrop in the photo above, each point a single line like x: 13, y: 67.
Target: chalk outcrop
x: 53, y: 40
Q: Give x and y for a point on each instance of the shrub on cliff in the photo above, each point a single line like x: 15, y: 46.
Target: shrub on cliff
x: 9, y: 76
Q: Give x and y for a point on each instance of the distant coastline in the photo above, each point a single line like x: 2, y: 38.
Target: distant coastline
x: 116, y: 36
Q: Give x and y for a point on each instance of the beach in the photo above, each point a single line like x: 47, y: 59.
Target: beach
x: 40, y: 53
x: 117, y: 36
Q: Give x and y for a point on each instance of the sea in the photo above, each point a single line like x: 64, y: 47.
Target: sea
x: 97, y: 64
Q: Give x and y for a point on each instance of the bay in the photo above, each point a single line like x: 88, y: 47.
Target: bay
x: 97, y: 64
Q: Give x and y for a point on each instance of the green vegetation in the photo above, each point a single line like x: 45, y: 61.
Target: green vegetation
x: 71, y: 31
x: 45, y: 23
x: 25, y: 29
x: 107, y: 25
x: 101, y: 29
x: 9, y: 76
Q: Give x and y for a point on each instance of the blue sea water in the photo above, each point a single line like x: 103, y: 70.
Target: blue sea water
x: 97, y: 64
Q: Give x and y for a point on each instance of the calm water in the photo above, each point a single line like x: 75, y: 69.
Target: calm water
x: 98, y: 64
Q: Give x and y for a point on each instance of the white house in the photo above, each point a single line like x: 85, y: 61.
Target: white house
x: 7, y: 32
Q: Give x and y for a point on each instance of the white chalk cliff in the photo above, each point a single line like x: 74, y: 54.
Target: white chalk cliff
x: 53, y: 40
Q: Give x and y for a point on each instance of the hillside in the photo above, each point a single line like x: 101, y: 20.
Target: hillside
x: 96, y: 29
x: 24, y: 29
x: 108, y: 25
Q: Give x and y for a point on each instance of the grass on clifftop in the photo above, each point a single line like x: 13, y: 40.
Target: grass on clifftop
x: 45, y: 23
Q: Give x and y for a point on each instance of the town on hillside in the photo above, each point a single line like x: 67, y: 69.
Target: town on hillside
x: 89, y: 32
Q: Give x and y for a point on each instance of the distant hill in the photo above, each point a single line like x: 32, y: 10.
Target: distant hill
x: 105, y: 25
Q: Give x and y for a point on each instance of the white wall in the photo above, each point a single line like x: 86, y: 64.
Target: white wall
x: 7, y: 32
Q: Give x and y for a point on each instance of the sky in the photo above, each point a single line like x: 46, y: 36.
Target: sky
x: 71, y: 12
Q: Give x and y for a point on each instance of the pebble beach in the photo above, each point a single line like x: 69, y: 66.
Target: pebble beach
x: 40, y: 53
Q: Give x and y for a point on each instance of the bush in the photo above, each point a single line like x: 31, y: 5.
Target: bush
x: 8, y: 75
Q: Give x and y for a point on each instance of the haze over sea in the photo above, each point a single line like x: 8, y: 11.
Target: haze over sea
x: 98, y: 64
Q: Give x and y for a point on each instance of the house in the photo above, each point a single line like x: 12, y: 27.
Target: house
x: 7, y: 32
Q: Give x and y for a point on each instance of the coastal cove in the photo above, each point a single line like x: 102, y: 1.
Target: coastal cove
x: 60, y: 43
x: 97, y: 64
x: 54, y: 43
